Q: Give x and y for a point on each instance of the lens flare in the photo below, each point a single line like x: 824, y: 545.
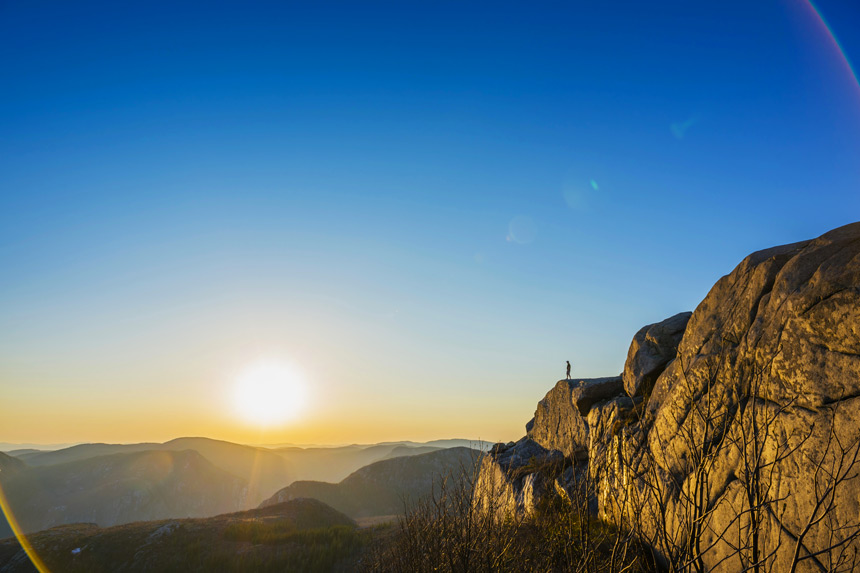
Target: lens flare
x: 521, y: 230
x: 19, y: 534
x: 679, y: 129
x: 823, y: 23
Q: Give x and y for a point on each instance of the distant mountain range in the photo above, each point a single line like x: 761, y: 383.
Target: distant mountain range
x: 120, y: 488
x: 9, y: 447
x: 384, y: 487
x: 263, y: 471
x: 111, y: 484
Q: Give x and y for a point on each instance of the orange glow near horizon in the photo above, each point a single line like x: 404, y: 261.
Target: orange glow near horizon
x: 168, y: 401
x: 350, y: 421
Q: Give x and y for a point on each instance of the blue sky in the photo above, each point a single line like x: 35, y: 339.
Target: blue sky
x: 428, y: 206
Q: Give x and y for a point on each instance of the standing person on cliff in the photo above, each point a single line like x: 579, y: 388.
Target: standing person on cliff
x: 568, y: 369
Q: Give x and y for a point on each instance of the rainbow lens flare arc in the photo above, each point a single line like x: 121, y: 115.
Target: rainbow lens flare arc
x: 19, y: 534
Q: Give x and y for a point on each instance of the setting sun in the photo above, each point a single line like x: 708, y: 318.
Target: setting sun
x: 270, y: 393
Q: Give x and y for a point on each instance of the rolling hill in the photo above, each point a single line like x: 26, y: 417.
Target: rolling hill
x: 10, y: 466
x: 299, y: 535
x: 383, y: 487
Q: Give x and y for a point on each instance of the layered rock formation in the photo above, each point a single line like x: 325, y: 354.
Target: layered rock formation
x: 653, y: 347
x: 560, y: 419
x: 747, y: 434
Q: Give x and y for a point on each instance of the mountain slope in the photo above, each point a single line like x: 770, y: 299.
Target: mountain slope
x: 36, y: 458
x: 335, y: 463
x: 404, y: 451
x: 300, y: 535
x: 263, y: 470
x: 10, y: 466
x: 383, y: 487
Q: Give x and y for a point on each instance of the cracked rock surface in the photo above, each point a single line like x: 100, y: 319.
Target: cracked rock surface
x: 779, y: 335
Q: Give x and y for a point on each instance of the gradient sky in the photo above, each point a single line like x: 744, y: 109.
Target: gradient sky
x: 426, y: 206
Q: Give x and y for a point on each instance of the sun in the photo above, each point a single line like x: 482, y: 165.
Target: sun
x: 270, y: 393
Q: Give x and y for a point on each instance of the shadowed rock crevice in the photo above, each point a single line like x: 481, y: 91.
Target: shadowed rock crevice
x: 653, y: 347
x: 559, y: 421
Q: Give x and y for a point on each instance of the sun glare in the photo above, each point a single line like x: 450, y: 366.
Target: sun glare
x: 270, y: 393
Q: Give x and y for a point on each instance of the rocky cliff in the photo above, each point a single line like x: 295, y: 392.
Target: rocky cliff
x: 732, y: 435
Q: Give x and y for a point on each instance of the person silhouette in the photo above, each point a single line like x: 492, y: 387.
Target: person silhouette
x: 568, y: 369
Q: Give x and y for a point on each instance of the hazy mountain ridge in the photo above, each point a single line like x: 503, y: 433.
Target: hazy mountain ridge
x: 262, y: 471
x: 383, y: 487
x: 322, y: 463
x: 35, y: 458
x: 119, y: 488
x: 10, y: 465
x: 334, y: 464
x: 403, y: 451
x: 118, y: 483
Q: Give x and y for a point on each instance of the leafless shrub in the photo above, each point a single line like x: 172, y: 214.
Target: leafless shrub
x: 733, y: 433
x: 450, y: 531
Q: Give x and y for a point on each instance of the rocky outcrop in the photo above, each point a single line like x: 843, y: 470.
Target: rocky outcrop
x: 776, y: 343
x: 513, y: 477
x: 653, y: 347
x: 760, y: 401
x: 559, y: 422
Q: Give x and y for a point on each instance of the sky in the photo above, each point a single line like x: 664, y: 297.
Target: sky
x: 423, y: 208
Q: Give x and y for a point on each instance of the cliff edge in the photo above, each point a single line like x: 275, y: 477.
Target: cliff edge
x: 732, y: 434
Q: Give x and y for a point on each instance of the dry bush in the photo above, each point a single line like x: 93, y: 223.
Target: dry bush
x: 450, y: 532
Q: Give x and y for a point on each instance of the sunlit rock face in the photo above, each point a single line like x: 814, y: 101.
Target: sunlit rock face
x: 514, y: 476
x: 767, y: 368
x: 560, y: 419
x: 653, y: 347
x: 778, y: 338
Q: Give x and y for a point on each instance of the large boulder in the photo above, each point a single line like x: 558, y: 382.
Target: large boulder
x: 770, y: 363
x: 514, y: 477
x: 653, y: 347
x: 756, y: 396
x: 560, y: 419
